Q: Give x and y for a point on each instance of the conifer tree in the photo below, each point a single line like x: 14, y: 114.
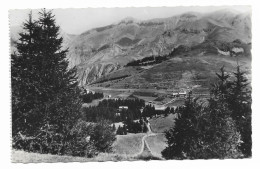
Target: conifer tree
x: 45, y: 102
x: 25, y: 81
x: 240, y: 105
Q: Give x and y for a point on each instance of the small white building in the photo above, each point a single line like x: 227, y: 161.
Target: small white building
x: 175, y: 94
x: 123, y: 108
x: 89, y: 91
x: 160, y: 108
x: 182, y: 94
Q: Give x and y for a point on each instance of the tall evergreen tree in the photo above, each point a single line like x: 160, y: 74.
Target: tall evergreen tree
x: 25, y: 81
x: 240, y: 105
x: 183, y: 138
x: 45, y: 98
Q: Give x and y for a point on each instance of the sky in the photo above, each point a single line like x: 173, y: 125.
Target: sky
x: 76, y: 21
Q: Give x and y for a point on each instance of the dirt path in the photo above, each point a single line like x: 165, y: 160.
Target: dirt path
x: 144, y: 143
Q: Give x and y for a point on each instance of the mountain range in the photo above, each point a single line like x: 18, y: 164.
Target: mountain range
x: 102, y: 53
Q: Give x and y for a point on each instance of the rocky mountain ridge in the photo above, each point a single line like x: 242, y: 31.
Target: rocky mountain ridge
x: 100, y: 51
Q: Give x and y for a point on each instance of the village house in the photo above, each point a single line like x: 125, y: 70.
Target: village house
x: 160, y: 108
x: 182, y: 94
x: 175, y: 94
x: 89, y: 91
x: 123, y: 108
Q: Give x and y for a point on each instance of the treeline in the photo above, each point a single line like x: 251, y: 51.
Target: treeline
x: 96, y: 113
x: 129, y: 126
x: 136, y: 126
x: 219, y: 128
x: 46, y: 103
x: 147, y: 61
x: 109, y: 109
x: 89, y: 97
x: 150, y: 60
x: 149, y: 111
x: 133, y: 119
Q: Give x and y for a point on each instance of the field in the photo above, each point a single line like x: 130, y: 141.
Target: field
x: 156, y: 144
x: 25, y: 157
x: 129, y: 144
x: 176, y: 103
x: 93, y: 103
x: 147, y: 154
x: 160, y: 124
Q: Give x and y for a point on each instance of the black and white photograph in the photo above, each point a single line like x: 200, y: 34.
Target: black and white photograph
x: 131, y: 84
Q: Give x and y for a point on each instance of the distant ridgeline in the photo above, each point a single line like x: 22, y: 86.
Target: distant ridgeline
x: 209, y: 46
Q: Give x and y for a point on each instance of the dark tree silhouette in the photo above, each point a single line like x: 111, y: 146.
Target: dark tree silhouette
x: 45, y: 102
x: 216, y: 128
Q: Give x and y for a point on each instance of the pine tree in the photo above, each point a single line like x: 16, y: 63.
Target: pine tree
x: 45, y: 98
x: 103, y: 136
x: 120, y: 131
x: 25, y: 81
x: 240, y: 105
x: 124, y: 130
x: 222, y: 87
x: 183, y: 138
x: 114, y: 127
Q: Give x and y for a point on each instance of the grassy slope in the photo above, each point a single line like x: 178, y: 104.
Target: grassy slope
x: 178, y: 102
x: 185, y: 70
x: 129, y: 144
x: 124, y: 148
x: 127, y: 71
x: 147, y: 154
x: 161, y: 123
x: 25, y: 157
x: 156, y: 144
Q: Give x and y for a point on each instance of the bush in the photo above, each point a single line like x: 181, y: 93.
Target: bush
x: 89, y: 139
